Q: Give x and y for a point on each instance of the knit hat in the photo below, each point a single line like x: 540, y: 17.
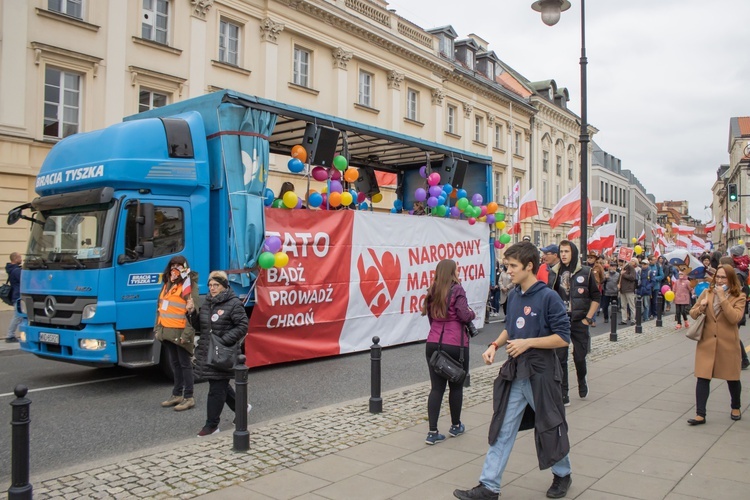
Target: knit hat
x: 737, y: 250
x: 220, y: 277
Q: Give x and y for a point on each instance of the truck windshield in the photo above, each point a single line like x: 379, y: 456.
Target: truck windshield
x: 72, y: 238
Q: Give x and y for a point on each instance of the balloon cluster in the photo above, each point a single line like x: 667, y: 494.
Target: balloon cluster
x: 638, y: 249
x: 335, y: 198
x: 272, y: 255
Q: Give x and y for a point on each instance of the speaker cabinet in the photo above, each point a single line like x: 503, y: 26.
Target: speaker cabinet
x: 367, y: 182
x: 320, y: 143
x: 452, y: 171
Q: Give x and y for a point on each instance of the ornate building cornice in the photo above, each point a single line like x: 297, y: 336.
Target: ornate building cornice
x: 201, y: 8
x: 468, y: 108
x: 395, y: 79
x: 341, y: 57
x: 437, y: 97
x: 269, y: 30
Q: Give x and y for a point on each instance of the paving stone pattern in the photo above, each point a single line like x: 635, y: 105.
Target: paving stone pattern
x: 201, y: 466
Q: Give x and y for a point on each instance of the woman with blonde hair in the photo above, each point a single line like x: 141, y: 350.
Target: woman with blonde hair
x: 447, y: 310
x: 223, y: 315
x: 717, y: 354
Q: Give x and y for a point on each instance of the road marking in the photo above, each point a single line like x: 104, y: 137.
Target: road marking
x: 70, y: 385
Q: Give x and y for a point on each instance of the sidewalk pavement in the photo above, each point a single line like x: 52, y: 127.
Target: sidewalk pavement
x: 629, y: 439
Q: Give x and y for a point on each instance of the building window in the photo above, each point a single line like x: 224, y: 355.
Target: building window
x: 558, y: 166
x: 545, y: 161
x: 412, y: 98
x: 148, y: 99
x: 469, y: 59
x: 606, y: 192
x: 545, y: 198
x: 498, y: 187
x: 612, y: 189
x: 155, y: 22
x: 72, y: 8
x: 517, y: 145
x: 301, y: 75
x: 365, y: 88
x: 601, y: 190
x: 62, y: 103
x: 446, y: 46
x: 451, y: 119
x: 229, y: 43
x: 498, y: 137
x: 570, y: 169
x: 478, y: 126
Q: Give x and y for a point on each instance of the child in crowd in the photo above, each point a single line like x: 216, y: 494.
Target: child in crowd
x: 682, y: 293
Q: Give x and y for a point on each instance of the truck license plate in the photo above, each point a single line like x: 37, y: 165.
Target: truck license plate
x: 49, y: 338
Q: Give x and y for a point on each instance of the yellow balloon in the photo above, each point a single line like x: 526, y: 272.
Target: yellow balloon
x: 669, y: 296
x: 290, y: 199
x: 280, y: 259
x: 500, y: 224
x: 638, y: 249
x: 634, y: 239
x: 740, y: 242
x: 482, y: 219
x: 346, y: 198
x: 377, y: 197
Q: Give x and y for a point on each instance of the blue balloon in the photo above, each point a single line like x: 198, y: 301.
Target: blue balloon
x: 398, y: 204
x: 315, y: 199
x: 394, y: 210
x: 701, y: 287
x: 268, y: 197
x: 364, y: 206
x: 295, y: 165
x: 461, y: 193
x: 448, y: 188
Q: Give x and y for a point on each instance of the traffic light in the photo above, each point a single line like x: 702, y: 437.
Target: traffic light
x: 732, y: 190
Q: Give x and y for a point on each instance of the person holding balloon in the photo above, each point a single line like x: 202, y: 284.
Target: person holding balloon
x: 681, y: 292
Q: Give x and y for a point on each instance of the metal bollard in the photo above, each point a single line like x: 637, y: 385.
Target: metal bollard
x: 659, y: 305
x: 20, y: 488
x: 376, y: 402
x: 638, y: 314
x: 241, y: 436
x: 613, y: 321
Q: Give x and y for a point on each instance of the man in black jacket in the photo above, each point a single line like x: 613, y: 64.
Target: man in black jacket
x: 576, y: 286
x: 537, y: 324
x: 13, y: 268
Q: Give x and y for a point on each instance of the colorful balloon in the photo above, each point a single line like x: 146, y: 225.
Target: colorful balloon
x: 472, y: 221
x: 272, y: 244
x: 665, y: 289
x: 377, y: 198
x: 277, y: 204
x: 441, y: 210
x: 432, y: 202
x: 423, y: 171
x: 335, y: 174
x: 492, y: 207
x: 490, y: 218
x: 363, y: 206
x: 268, y: 197
x: 299, y: 152
x: 455, y: 211
x: 290, y: 199
x: 334, y: 199
x: 295, y: 165
x: 462, y: 204
x: 266, y: 260
x: 633, y: 239
x: 319, y: 173
x: 433, y: 179
x: 398, y: 204
x: 701, y: 287
x: 420, y: 194
x: 504, y: 238
x: 448, y: 188
x: 351, y: 174
x: 638, y: 249
x: 314, y: 199
x: 669, y: 296
x: 340, y: 162
x: 500, y: 224
x: 361, y: 197
x: 497, y: 244
x: 346, y: 198
x: 476, y: 200
x: 500, y: 216
x: 336, y: 187
x: 461, y: 193
x: 280, y: 259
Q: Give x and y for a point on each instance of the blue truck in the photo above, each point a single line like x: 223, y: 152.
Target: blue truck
x: 114, y: 205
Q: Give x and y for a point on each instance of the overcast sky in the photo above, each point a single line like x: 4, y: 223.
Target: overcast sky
x: 664, y: 76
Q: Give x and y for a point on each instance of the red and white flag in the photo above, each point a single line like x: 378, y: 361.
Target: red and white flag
x: 724, y: 227
x: 682, y: 241
x: 661, y: 240
x: 575, y: 232
x: 711, y: 226
x: 659, y: 230
x: 700, y: 242
x: 747, y: 225
x: 686, y: 230
x: 569, y: 208
x: 642, y: 236
x: 187, y: 285
x: 529, y: 207
x: 515, y: 224
x: 514, y: 194
x: 602, y: 218
x: 734, y: 225
x: 657, y: 249
x: 603, y: 237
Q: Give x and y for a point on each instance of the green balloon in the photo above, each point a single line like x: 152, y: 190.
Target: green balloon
x: 462, y: 204
x: 504, y: 239
x: 340, y: 163
x: 499, y: 216
x: 441, y: 210
x: 266, y: 260
x: 277, y: 203
x: 477, y: 212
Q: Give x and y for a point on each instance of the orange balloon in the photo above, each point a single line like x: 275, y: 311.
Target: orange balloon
x: 334, y: 199
x: 453, y: 194
x: 351, y: 174
x: 492, y: 207
x: 299, y: 152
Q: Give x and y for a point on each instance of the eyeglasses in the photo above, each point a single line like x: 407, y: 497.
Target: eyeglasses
x: 721, y: 277
x: 213, y: 285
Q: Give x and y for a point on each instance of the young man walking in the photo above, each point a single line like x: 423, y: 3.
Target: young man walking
x: 576, y: 286
x: 13, y: 268
x: 537, y: 325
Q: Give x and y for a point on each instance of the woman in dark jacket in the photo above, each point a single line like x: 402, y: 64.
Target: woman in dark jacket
x: 223, y: 315
x: 447, y: 309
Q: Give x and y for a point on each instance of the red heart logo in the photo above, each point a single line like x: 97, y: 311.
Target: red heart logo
x: 527, y: 310
x: 379, y: 282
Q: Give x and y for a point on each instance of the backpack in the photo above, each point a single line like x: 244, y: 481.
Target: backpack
x: 5, y: 291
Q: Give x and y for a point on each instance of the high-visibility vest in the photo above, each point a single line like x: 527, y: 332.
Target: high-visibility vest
x: 173, y: 314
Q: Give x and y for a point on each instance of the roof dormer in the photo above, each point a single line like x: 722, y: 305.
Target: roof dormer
x: 466, y: 51
x: 489, y: 65
x: 446, y: 36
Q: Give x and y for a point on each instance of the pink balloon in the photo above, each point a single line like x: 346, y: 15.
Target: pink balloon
x: 665, y: 289
x: 501, y: 246
x: 319, y: 173
x: 433, y: 179
x: 472, y: 221
x: 335, y: 174
x: 484, y: 211
x: 361, y: 197
x: 497, y: 244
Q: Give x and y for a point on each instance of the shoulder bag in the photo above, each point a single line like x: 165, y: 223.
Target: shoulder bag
x: 695, y: 330
x: 220, y: 357
x: 5, y: 291
x: 443, y: 364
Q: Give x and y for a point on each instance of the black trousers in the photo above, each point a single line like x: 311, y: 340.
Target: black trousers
x: 219, y: 392
x: 607, y: 302
x: 581, y: 340
x: 702, y: 388
x: 438, y: 383
x: 681, y: 312
x: 182, y: 368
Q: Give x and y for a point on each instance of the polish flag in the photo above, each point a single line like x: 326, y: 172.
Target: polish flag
x: 515, y: 225
x: 187, y: 285
x: 602, y: 218
x: 711, y: 226
x: 529, y: 207
x: 657, y: 251
x: 701, y: 243
x: 662, y: 241
x: 686, y: 230
x: 642, y: 237
x: 659, y: 230
x: 603, y: 237
x: 724, y: 228
x: 568, y: 208
x: 682, y: 241
x: 734, y: 225
x: 515, y: 192
x: 747, y: 225
x: 575, y: 232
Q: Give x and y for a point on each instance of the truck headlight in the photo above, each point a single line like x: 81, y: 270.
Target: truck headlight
x: 22, y: 306
x: 89, y: 311
x: 21, y: 335
x: 92, y: 344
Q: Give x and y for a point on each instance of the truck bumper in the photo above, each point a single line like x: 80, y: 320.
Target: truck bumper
x: 65, y: 345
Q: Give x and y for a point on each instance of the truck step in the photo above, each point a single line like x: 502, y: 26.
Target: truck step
x: 137, y: 364
x: 136, y: 343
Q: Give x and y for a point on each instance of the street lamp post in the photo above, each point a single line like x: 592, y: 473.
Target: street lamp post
x: 550, y: 10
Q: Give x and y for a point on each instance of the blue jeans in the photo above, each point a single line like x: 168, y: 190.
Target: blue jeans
x: 645, y: 308
x: 499, y: 453
x: 14, y: 322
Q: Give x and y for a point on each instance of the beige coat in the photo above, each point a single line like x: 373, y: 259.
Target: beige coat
x: 718, y: 352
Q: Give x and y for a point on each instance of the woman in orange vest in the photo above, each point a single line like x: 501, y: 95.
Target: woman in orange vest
x: 175, y: 332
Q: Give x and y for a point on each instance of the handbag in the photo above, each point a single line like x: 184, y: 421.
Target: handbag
x: 442, y: 362
x: 5, y: 291
x: 695, y: 330
x: 220, y: 357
